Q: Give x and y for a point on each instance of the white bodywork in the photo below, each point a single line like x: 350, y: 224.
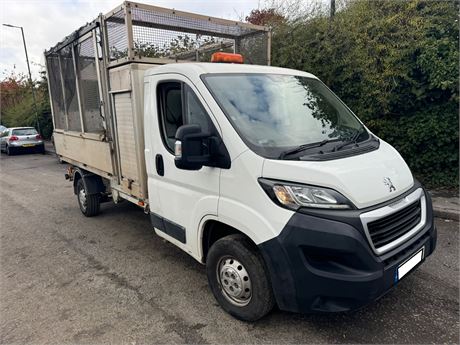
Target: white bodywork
x: 233, y: 196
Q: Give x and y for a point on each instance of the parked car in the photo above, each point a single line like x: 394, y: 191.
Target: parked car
x: 18, y: 139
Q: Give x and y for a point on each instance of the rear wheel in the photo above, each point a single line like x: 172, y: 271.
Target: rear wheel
x: 238, y: 278
x: 9, y: 151
x: 41, y: 149
x: 90, y: 205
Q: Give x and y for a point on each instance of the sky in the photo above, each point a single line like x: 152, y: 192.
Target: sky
x: 46, y: 22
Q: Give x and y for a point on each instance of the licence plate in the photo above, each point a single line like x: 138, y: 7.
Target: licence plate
x: 28, y: 145
x: 409, y: 264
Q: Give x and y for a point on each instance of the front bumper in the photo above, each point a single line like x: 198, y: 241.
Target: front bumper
x: 323, y: 262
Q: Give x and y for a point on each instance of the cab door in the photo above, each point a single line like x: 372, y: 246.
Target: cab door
x: 183, y: 197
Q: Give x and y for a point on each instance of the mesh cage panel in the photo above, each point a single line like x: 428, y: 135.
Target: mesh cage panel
x: 116, y: 36
x: 156, y: 33
x: 177, y: 45
x: 89, y: 89
x: 169, y: 35
x: 70, y: 89
x: 55, y: 82
x: 254, y: 48
x: 143, y: 17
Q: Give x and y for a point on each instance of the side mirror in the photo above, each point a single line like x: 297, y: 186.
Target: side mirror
x: 192, y: 148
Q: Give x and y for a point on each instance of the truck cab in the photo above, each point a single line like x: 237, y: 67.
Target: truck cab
x: 263, y: 174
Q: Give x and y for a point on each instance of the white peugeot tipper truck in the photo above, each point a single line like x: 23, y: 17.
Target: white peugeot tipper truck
x: 260, y: 173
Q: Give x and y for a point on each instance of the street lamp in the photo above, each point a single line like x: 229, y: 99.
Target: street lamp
x: 30, y: 75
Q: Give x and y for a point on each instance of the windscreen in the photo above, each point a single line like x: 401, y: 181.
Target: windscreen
x: 274, y: 112
x: 24, y: 131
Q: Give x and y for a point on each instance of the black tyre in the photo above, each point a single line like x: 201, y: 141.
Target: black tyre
x: 239, y: 279
x: 41, y: 149
x: 90, y: 205
x: 9, y: 151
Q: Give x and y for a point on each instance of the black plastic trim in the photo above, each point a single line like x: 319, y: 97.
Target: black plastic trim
x: 170, y: 228
x: 322, y: 261
x: 369, y: 145
x: 93, y: 183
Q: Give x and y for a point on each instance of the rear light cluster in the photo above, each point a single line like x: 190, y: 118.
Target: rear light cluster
x: 14, y: 137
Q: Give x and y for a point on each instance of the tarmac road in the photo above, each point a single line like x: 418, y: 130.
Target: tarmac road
x: 70, y: 279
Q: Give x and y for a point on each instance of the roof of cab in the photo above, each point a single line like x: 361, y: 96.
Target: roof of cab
x: 199, y: 68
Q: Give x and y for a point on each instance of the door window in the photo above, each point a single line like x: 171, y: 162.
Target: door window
x: 194, y: 111
x: 179, y: 105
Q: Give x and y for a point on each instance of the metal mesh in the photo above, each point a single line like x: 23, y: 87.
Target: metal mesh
x: 169, y: 35
x: 254, y: 48
x: 160, y: 43
x: 116, y: 36
x: 70, y: 89
x: 56, y: 91
x: 89, y: 89
x: 157, y: 33
x: 143, y: 17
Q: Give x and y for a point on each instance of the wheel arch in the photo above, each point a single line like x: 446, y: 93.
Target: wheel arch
x: 93, y: 183
x: 214, y: 229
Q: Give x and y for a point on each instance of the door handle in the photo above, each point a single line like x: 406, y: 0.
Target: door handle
x: 159, y: 165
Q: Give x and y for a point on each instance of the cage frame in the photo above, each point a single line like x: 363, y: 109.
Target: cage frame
x: 127, y: 6
x: 104, y: 62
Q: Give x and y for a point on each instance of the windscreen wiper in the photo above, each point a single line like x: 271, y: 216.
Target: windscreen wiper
x: 353, y: 140
x: 302, y: 148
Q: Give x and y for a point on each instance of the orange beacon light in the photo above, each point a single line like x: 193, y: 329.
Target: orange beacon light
x: 227, y: 57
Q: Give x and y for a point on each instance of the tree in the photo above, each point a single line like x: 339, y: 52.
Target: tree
x: 395, y: 63
x: 269, y: 17
x: 17, y: 106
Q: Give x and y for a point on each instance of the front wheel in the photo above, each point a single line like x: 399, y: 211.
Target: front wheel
x: 90, y: 204
x: 238, y: 278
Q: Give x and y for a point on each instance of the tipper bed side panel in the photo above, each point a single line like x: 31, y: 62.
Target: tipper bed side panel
x: 89, y: 152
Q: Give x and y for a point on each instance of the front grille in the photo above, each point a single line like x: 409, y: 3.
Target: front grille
x: 389, y: 228
x: 398, y: 257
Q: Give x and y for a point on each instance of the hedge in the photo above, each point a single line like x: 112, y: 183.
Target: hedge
x: 396, y: 64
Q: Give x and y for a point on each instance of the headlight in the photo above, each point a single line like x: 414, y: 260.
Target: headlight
x: 293, y: 195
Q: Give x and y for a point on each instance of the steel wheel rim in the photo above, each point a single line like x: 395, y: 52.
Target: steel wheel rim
x: 82, y: 198
x: 234, y: 281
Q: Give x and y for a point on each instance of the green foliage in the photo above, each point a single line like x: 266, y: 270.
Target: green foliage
x: 17, y: 105
x: 395, y: 63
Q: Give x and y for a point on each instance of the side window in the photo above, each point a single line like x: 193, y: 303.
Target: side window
x: 170, y: 111
x: 194, y: 111
x: 178, y: 105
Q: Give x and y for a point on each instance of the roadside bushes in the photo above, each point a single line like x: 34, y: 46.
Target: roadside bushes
x: 395, y: 63
x: 17, y: 106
